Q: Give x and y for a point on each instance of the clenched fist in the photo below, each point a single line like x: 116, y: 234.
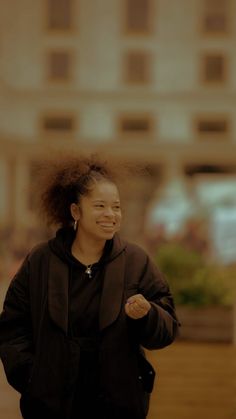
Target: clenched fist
x: 137, y: 306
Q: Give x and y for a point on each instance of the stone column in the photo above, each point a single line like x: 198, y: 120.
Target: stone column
x: 5, y: 191
x: 21, y: 192
x: 234, y: 324
x: 10, y: 185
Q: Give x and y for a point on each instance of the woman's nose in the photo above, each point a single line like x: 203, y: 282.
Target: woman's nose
x: 109, y: 212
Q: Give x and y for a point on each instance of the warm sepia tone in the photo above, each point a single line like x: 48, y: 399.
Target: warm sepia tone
x: 149, y: 82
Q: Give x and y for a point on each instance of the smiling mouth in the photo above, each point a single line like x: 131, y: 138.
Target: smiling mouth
x: 107, y: 225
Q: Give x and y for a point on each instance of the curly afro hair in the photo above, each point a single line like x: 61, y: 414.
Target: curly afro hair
x: 65, y: 180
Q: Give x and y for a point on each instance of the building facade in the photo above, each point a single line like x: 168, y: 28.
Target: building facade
x: 150, y: 81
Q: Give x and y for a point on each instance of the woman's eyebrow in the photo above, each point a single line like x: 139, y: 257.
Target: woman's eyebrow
x: 102, y: 200
x: 98, y: 200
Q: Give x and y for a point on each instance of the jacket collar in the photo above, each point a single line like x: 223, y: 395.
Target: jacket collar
x: 111, y: 298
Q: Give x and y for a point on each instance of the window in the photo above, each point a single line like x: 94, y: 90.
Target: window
x: 214, y: 68
x: 135, y: 125
x: 59, y: 65
x: 137, y: 67
x: 59, y: 14
x: 137, y: 16
x: 216, y: 16
x: 212, y: 127
x: 194, y: 169
x: 58, y: 124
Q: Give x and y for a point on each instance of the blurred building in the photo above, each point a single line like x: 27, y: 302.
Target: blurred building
x: 146, y: 80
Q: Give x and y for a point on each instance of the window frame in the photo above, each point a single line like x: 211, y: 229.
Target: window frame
x: 71, y: 66
x: 132, y: 135
x: 128, y: 81
x: 54, y: 133
x: 212, y: 136
x: 150, y: 21
x: 216, y: 82
x: 60, y: 30
x: 216, y: 33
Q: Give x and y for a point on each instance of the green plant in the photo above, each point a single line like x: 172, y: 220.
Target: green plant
x: 192, y: 280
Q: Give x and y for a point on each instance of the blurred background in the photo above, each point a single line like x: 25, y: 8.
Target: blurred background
x: 149, y: 82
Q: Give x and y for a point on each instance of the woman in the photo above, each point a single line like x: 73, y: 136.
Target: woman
x: 83, y: 305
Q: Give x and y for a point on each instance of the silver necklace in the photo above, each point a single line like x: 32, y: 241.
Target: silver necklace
x: 88, y: 270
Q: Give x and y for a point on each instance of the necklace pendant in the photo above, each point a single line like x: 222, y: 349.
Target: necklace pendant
x: 88, y: 271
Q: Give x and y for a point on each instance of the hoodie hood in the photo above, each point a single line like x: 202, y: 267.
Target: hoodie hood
x: 62, y: 242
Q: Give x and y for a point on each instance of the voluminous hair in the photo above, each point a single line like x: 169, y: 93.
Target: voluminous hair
x: 63, y: 181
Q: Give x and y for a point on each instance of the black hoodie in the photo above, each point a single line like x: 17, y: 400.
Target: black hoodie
x: 84, y: 300
x: 84, y: 290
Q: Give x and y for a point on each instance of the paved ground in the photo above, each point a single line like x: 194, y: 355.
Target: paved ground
x: 196, y: 381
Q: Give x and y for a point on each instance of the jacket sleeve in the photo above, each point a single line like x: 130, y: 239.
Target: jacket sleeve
x: 16, y: 348
x: 160, y: 326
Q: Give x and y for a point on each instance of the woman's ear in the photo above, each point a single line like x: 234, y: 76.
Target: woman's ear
x: 74, y: 209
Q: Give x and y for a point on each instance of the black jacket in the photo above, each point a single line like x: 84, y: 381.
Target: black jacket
x: 41, y: 360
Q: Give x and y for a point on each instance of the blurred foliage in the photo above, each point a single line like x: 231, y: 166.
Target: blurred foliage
x: 192, y: 280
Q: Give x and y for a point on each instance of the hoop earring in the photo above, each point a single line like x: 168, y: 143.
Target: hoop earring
x: 75, y: 225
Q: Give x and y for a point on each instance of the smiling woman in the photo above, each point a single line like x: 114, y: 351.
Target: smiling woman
x: 83, y: 305
x: 98, y: 215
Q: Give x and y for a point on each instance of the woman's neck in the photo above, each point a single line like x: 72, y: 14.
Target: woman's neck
x: 87, y: 251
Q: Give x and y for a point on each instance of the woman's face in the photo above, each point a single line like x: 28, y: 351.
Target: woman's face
x: 99, y: 212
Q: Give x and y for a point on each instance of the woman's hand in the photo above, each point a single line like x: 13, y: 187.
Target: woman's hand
x: 137, y: 306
